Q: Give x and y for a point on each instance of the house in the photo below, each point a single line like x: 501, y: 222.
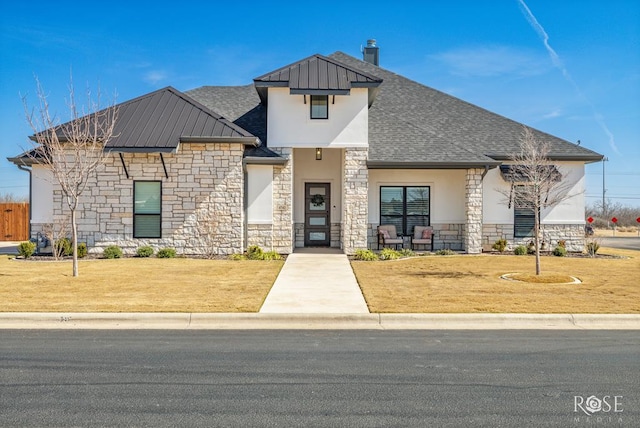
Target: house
x: 316, y: 153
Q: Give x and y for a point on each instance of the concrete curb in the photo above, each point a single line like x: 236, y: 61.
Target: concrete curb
x: 261, y: 321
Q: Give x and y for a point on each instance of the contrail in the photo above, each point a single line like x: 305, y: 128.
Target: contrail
x: 557, y: 62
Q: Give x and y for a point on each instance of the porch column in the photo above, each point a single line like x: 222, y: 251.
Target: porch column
x: 355, y: 186
x: 473, y: 202
x: 283, y: 203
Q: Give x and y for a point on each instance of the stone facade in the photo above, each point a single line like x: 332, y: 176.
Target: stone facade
x: 473, y: 211
x: 354, y: 200
x: 572, y: 234
x: 202, y: 200
x: 283, y: 234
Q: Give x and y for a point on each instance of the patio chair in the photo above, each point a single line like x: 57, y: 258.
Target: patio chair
x: 387, y: 236
x: 422, y: 235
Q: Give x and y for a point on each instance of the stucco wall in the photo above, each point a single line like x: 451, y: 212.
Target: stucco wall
x: 570, y: 211
x: 290, y: 125
x: 41, y: 195
x: 447, y: 191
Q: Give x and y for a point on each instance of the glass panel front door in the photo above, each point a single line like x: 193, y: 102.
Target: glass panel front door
x: 317, y: 226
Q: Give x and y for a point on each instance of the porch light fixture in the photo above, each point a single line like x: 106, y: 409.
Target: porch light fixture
x: 318, y: 153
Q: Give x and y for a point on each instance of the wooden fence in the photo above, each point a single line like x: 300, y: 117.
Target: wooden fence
x: 14, y: 221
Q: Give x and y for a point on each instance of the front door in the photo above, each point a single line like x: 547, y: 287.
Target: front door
x: 317, y: 209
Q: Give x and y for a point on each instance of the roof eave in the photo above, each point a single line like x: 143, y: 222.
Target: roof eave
x: 372, y: 164
x: 587, y: 158
x: 263, y: 160
x: 248, y: 141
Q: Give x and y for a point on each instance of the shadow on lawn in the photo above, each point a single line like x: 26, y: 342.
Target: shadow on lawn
x: 432, y: 274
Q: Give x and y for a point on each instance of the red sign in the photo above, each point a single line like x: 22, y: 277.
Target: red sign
x: 590, y: 219
x: 615, y: 220
x: 638, y: 219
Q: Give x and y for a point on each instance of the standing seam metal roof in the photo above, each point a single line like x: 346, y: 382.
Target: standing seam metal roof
x: 159, y: 121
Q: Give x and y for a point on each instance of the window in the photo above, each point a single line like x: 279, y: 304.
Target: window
x: 319, y: 106
x: 405, y: 207
x: 147, y: 209
x: 523, y: 216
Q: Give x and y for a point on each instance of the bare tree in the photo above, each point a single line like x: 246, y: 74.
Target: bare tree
x: 73, y: 151
x: 10, y: 197
x: 535, y: 183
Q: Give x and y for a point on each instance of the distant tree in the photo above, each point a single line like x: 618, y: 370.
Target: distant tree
x: 73, y: 151
x: 536, y: 183
x: 10, y: 197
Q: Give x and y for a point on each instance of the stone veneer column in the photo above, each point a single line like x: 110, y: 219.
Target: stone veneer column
x: 473, y: 203
x: 355, y: 199
x: 283, y: 235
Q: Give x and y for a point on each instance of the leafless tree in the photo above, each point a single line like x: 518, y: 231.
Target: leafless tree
x: 55, y: 232
x: 73, y: 151
x: 536, y: 183
x: 10, y: 197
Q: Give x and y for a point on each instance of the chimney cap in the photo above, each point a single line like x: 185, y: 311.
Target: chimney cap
x: 371, y: 43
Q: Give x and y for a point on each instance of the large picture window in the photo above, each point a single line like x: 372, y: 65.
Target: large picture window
x: 523, y: 216
x: 147, y: 209
x: 319, y: 106
x: 405, y: 207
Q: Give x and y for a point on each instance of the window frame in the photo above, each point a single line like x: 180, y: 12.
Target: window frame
x: 136, y: 215
x: 523, y: 213
x: 319, y: 97
x: 405, y: 216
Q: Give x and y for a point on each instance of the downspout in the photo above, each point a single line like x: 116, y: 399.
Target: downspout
x: 24, y: 168
x: 486, y: 170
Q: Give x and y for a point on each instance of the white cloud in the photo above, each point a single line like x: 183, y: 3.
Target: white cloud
x: 493, y: 61
x: 154, y: 77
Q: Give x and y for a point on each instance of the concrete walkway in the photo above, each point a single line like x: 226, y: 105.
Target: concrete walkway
x: 315, y: 281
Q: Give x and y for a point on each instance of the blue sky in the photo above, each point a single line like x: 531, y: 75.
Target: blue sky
x: 570, y: 68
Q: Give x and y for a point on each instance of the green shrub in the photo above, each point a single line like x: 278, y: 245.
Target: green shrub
x: 145, y: 251
x: 445, y: 252
x: 63, y: 247
x: 592, y: 248
x: 271, y: 255
x: 237, y: 257
x: 520, y: 250
x: 559, y: 251
x: 166, y: 253
x: 112, y: 252
x: 82, y: 250
x: 254, y: 253
x: 407, y: 252
x: 531, y: 248
x: 500, y: 245
x: 26, y: 249
x: 389, y: 254
x: 365, y: 255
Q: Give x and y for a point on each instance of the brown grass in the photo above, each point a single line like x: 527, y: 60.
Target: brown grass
x: 458, y: 284
x: 136, y: 285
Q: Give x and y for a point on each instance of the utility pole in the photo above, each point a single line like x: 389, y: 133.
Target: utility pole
x: 604, y: 190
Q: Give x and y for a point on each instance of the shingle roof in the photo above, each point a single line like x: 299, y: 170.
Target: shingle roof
x: 241, y: 105
x: 412, y: 124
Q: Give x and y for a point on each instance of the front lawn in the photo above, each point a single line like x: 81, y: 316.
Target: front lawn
x: 466, y: 283
x: 136, y: 285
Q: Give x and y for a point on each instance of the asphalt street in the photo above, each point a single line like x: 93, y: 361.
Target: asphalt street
x: 319, y: 378
x: 623, y: 242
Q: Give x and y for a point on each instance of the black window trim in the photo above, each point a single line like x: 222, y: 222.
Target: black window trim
x: 326, y: 99
x: 146, y: 215
x: 404, y: 206
x: 530, y: 215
